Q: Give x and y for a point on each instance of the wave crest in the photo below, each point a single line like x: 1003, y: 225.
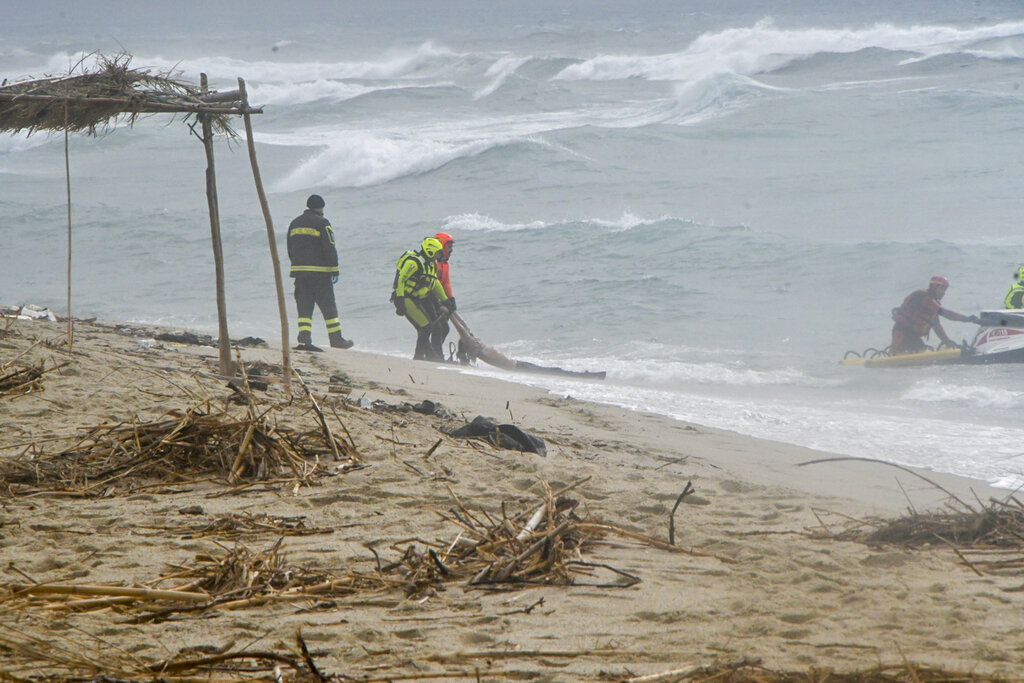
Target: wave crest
x: 763, y: 48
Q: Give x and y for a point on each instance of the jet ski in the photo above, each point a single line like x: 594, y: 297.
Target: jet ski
x: 1000, y: 338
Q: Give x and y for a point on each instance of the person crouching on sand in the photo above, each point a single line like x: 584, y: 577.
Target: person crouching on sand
x: 418, y: 295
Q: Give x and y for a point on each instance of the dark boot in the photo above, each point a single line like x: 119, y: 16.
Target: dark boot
x: 339, y: 342
x: 422, y: 345
x: 306, y: 342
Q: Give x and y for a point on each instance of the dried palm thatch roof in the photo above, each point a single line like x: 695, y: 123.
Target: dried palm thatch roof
x: 92, y: 97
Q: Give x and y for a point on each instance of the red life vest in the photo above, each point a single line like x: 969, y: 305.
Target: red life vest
x: 918, y: 312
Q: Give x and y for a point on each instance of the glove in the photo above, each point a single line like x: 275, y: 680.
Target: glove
x: 400, y: 305
x: 334, y: 280
x: 974, y: 319
x: 449, y: 303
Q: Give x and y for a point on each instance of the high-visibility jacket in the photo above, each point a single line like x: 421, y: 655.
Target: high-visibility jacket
x: 416, y: 277
x: 311, y: 245
x: 1015, y: 297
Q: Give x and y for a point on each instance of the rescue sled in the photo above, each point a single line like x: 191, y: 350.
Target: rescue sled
x: 907, y: 359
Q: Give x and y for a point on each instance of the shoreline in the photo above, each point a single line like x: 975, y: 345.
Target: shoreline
x: 761, y: 574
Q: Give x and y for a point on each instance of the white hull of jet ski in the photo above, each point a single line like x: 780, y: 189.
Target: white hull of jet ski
x: 1000, y: 339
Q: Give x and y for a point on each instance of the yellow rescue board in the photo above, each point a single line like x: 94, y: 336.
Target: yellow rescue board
x: 903, y: 360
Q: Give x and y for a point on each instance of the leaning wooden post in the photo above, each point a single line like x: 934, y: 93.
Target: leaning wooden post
x: 285, y: 355
x: 67, y: 180
x: 226, y: 365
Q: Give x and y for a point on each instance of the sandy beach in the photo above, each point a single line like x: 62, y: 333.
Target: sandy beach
x: 766, y: 565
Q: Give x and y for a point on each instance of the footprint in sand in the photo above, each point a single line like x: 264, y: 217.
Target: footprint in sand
x: 885, y: 560
x: 410, y: 634
x: 798, y: 618
x: 476, y: 638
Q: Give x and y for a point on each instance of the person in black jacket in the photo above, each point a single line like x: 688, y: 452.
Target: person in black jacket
x: 315, y: 269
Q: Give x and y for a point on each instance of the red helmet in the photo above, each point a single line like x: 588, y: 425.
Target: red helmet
x: 938, y: 281
x: 447, y: 241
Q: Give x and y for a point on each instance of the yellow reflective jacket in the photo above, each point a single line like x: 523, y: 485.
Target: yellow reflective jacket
x: 417, y: 277
x: 1015, y: 297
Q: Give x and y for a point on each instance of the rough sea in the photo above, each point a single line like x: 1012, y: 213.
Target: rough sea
x: 711, y: 200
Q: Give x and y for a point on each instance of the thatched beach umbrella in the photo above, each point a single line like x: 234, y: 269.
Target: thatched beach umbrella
x: 88, y: 99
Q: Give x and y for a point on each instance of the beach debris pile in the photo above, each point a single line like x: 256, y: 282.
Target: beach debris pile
x: 18, y: 377
x: 239, y: 577
x: 199, y: 441
x: 234, y: 578
x: 541, y: 545
x: 988, y: 540
x: 18, y: 380
x: 237, y: 525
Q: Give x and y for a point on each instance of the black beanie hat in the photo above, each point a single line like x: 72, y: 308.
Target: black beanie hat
x: 315, y: 201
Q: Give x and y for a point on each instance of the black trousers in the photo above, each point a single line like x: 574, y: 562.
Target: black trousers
x: 316, y: 289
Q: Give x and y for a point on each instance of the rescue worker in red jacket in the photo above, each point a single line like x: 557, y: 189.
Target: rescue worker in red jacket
x: 419, y: 296
x: 919, y: 315
x: 314, y: 261
x: 440, y: 330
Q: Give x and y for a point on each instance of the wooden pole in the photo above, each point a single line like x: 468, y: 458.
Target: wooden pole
x: 285, y: 355
x: 226, y: 365
x: 67, y: 183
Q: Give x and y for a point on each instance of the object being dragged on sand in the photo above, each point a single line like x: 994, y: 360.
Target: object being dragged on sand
x: 472, y: 347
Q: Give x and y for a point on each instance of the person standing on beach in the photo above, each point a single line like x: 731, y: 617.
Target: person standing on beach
x: 314, y: 259
x: 418, y: 295
x: 1015, y: 297
x: 919, y: 315
x: 440, y: 331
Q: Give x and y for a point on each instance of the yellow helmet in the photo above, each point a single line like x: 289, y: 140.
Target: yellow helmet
x: 432, y: 247
x: 1019, y: 275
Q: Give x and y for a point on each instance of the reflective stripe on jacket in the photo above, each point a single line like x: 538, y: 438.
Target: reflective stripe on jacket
x: 311, y: 245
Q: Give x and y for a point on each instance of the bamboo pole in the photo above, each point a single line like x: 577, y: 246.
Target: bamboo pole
x: 285, y: 354
x: 226, y: 364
